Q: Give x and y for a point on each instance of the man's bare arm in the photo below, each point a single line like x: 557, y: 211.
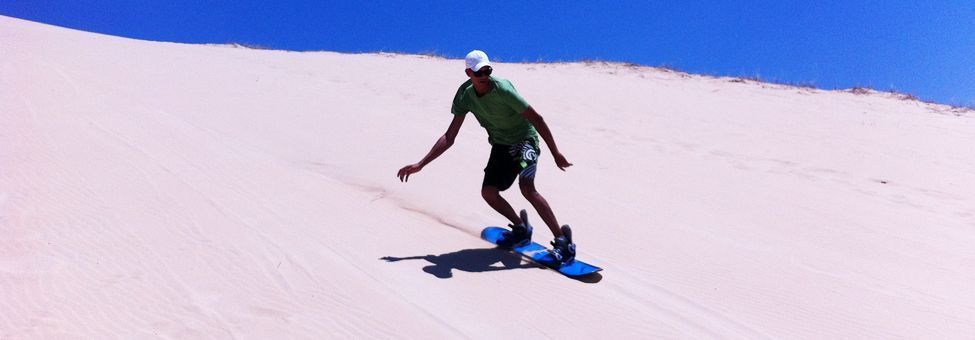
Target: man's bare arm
x: 546, y: 134
x: 438, y: 149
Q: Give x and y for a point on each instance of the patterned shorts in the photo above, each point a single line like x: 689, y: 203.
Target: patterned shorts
x: 508, y: 162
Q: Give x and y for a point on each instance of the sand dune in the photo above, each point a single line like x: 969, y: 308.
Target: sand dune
x: 163, y: 190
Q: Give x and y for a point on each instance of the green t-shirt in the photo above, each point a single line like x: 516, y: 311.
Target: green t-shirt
x: 498, y: 111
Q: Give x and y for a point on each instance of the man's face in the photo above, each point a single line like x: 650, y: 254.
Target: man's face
x: 482, y: 76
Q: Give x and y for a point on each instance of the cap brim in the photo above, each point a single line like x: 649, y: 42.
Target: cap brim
x: 481, y: 65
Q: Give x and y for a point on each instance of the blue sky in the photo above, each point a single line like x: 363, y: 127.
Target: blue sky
x: 926, y: 48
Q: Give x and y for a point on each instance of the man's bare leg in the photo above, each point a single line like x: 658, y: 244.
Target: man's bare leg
x: 493, y: 197
x: 541, y: 205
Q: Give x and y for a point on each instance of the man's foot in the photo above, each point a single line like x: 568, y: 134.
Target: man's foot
x: 564, y: 250
x: 520, y: 235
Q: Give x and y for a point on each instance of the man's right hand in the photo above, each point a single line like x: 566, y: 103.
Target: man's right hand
x: 406, y: 171
x: 439, y: 147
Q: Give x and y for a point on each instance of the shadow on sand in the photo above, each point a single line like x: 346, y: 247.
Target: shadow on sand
x: 478, y: 261
x: 468, y: 260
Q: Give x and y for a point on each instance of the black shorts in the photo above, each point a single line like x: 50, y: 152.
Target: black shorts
x: 510, y: 161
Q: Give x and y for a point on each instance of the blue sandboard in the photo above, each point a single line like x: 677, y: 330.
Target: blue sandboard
x: 539, y: 254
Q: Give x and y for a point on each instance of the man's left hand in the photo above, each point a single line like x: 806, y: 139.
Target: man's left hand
x: 560, y: 161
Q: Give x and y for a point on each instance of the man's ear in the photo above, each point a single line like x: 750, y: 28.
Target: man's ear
x: 469, y: 72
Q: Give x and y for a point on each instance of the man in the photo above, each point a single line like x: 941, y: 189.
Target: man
x: 513, y: 128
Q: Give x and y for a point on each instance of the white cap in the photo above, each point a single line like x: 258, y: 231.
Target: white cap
x: 476, y: 60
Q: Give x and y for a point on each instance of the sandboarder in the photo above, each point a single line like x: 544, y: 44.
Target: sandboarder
x: 511, y: 125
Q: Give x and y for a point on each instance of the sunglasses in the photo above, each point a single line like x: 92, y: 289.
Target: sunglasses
x: 485, y: 71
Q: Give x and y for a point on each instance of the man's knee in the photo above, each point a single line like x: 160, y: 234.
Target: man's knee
x: 489, y: 193
x: 527, y: 189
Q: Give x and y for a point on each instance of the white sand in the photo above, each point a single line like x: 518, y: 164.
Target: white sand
x: 161, y: 190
